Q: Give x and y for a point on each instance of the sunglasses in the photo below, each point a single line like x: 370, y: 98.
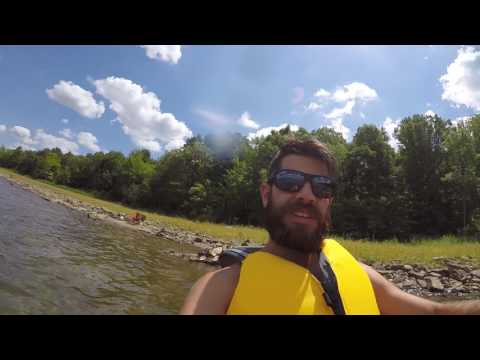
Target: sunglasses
x: 293, y: 181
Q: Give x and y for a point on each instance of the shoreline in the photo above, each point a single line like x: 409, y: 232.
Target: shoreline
x: 209, y: 247
x: 450, y: 277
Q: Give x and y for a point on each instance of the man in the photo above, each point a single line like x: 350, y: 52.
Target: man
x: 282, y: 278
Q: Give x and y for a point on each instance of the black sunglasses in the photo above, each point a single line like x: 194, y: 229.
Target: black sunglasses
x: 294, y: 180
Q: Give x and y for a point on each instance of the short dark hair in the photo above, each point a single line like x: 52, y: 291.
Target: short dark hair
x: 310, y: 147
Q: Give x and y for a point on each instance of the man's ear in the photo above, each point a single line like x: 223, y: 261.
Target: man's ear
x: 264, y: 193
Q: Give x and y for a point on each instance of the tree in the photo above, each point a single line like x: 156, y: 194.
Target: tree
x: 368, y: 184
x: 47, y: 164
x: 422, y: 164
x: 176, y: 173
x: 461, y: 177
x: 134, y: 183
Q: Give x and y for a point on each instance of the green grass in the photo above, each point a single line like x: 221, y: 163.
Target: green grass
x: 419, y: 251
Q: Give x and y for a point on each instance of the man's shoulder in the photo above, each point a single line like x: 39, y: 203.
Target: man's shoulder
x: 212, y: 293
x: 224, y: 276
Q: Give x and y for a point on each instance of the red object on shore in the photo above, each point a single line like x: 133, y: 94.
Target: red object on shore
x: 136, y: 218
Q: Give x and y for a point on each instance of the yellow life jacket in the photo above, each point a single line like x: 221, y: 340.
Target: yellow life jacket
x: 270, y: 285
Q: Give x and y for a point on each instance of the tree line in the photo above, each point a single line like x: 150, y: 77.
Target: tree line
x: 429, y: 187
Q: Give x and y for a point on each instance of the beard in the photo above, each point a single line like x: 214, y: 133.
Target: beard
x: 299, y: 237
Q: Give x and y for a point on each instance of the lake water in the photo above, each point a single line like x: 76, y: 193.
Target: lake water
x: 54, y: 260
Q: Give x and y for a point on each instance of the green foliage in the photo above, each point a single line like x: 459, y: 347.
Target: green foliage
x: 429, y: 187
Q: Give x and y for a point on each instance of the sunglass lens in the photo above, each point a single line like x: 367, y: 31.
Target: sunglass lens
x: 289, y: 181
x: 321, y: 188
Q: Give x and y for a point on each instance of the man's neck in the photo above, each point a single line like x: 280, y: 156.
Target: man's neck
x: 303, y: 259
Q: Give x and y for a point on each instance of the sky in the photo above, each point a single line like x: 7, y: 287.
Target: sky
x: 85, y: 99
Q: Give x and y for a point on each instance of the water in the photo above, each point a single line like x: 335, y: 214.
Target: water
x: 54, y: 260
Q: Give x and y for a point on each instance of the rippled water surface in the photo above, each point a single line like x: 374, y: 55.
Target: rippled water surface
x: 54, y: 260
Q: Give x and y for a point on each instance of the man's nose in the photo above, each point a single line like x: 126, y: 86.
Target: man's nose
x: 306, y: 194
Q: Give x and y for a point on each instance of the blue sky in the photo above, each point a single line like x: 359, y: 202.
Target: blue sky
x: 90, y: 98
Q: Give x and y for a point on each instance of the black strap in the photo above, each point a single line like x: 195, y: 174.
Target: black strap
x: 326, y: 276
x: 329, y: 284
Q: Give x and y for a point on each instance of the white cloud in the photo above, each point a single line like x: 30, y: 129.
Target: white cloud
x: 3, y: 128
x: 214, y: 118
x: 268, y: 130
x: 44, y: 140
x: 23, y: 134
x: 355, y: 91
x: 313, y: 106
x: 429, y: 113
x: 340, y: 112
x: 66, y: 133
x: 65, y: 121
x: 390, y: 125
x: 350, y: 95
x: 298, y: 94
x: 41, y: 140
x: 174, y: 144
x: 167, y: 53
x: 247, y: 122
x: 322, y: 93
x: 338, y: 126
x: 425, y: 58
x: 76, y: 98
x: 139, y: 112
x: 461, y: 83
x: 88, y: 140
x: 323, y: 97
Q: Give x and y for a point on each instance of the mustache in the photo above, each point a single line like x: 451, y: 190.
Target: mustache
x: 299, y: 205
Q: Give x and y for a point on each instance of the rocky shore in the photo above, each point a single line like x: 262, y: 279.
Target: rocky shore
x: 447, y: 278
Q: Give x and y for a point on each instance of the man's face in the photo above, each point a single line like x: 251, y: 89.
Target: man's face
x: 297, y: 220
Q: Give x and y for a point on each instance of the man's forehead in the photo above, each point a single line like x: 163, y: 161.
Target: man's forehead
x: 305, y: 164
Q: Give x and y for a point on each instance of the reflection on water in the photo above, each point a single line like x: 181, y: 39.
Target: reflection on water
x: 54, y: 260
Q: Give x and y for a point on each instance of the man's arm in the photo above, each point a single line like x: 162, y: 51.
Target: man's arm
x: 212, y: 293
x: 393, y: 301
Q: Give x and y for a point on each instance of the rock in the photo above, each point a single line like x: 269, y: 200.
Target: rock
x: 409, y: 283
x: 197, y: 239
x: 408, y: 267
x: 435, y: 274
x: 475, y: 273
x: 385, y: 272
x: 422, y: 283
x: 418, y: 274
x: 216, y: 251
x: 246, y: 242
x: 458, y: 275
x: 394, y: 267
x: 439, y: 257
x: 202, y: 258
x: 456, y: 283
x: 435, y: 283
x: 457, y: 266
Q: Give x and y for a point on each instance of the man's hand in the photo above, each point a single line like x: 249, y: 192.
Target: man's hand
x: 393, y: 301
